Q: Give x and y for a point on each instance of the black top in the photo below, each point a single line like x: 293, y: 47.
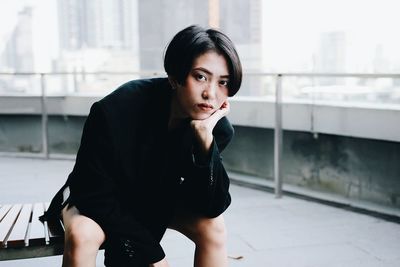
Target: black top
x: 131, y: 172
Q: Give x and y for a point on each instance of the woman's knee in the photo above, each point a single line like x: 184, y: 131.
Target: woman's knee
x: 82, y: 232
x: 209, y: 232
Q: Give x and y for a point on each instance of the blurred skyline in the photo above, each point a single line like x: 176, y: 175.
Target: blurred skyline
x: 290, y: 30
x: 93, y: 36
x: 292, y: 33
x: 293, y: 30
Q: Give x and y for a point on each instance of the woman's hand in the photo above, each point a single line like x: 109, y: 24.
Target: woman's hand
x: 162, y: 263
x: 203, y: 128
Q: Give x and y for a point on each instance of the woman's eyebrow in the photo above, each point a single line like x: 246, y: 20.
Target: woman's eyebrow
x: 210, y: 73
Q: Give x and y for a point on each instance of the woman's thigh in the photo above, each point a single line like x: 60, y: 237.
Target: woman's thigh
x: 80, y: 227
x: 197, y: 227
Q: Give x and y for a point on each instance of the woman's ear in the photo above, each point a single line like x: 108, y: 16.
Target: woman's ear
x: 173, y: 82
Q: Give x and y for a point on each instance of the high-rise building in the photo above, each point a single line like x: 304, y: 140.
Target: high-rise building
x: 332, y: 52
x: 18, y: 53
x: 98, y: 24
x: 148, y: 26
x: 240, y: 20
x: 331, y: 56
x: 18, y: 56
x: 72, y: 21
x: 160, y: 20
x: 98, y: 35
x: 379, y: 62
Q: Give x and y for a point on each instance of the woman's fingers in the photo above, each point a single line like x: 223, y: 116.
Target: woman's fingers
x: 225, y: 104
x: 209, y: 123
x: 223, y: 111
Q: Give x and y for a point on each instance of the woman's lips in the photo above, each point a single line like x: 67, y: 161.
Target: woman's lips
x: 205, y: 106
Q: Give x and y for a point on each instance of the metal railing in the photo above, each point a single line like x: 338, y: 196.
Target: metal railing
x: 278, y: 111
x: 278, y: 104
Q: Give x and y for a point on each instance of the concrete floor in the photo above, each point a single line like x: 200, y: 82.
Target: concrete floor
x: 263, y: 230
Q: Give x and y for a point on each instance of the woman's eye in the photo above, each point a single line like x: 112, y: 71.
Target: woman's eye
x: 201, y: 77
x: 223, y: 83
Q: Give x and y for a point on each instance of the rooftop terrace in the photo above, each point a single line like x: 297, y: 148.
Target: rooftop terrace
x: 264, y: 230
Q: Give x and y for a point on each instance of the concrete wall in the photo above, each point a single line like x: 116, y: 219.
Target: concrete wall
x: 348, y: 149
x: 356, y: 168
x: 23, y: 133
x: 370, y: 121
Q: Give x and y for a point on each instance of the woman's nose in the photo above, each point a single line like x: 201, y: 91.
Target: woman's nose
x: 209, y: 92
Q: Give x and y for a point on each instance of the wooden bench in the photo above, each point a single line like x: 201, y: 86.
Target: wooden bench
x: 22, y: 235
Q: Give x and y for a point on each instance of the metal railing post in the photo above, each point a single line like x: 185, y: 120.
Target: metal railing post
x: 45, y: 135
x: 278, y: 138
x: 75, y: 80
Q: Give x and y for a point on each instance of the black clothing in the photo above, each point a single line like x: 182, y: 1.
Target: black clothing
x: 131, y: 172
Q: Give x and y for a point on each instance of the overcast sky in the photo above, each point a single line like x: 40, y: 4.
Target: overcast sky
x: 291, y: 28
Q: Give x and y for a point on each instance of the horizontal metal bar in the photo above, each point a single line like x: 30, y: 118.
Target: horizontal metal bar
x: 250, y: 73
x: 54, y: 156
x: 316, y: 74
x: 153, y: 73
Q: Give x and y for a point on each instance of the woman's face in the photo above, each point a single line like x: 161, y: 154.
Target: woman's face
x: 205, y: 88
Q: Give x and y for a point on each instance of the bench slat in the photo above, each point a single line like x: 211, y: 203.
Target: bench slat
x: 56, y: 230
x: 35, y: 239
x: 3, y: 211
x: 36, y: 232
x: 18, y: 234
x: 8, y: 222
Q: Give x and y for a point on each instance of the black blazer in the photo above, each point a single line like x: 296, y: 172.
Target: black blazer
x: 131, y: 173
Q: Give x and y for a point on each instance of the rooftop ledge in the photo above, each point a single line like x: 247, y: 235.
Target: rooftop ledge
x: 373, y: 121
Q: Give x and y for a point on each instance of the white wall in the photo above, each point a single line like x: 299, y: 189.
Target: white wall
x: 366, y: 121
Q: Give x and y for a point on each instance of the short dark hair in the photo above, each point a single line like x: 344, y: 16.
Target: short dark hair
x: 194, y: 41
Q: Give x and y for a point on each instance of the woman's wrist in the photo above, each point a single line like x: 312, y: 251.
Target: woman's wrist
x: 204, y: 138
x: 161, y: 263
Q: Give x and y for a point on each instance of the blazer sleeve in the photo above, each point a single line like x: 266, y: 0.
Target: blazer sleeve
x: 207, y: 185
x: 94, y: 192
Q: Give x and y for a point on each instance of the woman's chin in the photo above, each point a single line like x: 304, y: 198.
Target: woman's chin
x: 200, y: 116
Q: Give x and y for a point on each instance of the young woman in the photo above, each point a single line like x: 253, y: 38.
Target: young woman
x: 150, y: 160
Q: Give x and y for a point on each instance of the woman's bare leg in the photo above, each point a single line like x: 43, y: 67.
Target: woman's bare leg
x: 83, y: 238
x: 209, y: 235
x: 211, y: 243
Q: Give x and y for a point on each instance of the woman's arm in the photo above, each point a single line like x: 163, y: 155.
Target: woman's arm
x: 207, y: 186
x: 94, y: 192
x: 203, y: 129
